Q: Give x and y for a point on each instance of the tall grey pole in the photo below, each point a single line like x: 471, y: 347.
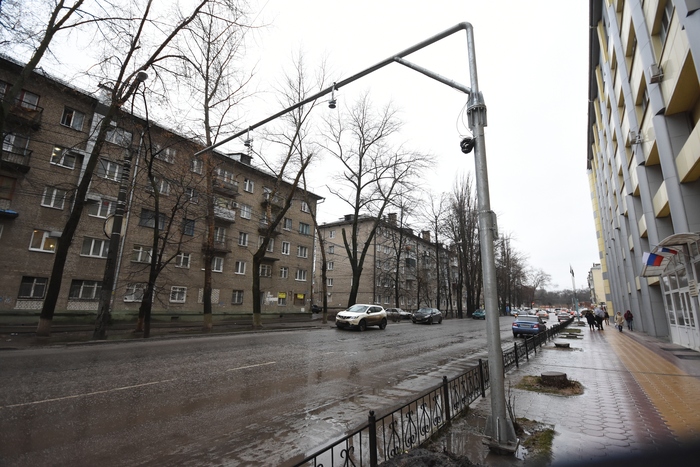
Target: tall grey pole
x: 500, y: 431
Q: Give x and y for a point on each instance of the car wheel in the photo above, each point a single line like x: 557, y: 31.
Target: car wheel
x: 515, y: 335
x: 430, y: 320
x: 440, y: 322
x: 363, y: 325
x: 382, y: 325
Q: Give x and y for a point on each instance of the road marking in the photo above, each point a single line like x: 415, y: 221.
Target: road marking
x: 86, y: 394
x: 251, y: 366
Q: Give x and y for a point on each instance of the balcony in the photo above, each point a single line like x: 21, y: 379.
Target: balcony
x: 225, y: 188
x: 224, y: 214
x: 263, y: 225
x: 5, y: 211
x: 27, y: 114
x: 15, y: 159
x: 275, y: 201
x: 219, y: 246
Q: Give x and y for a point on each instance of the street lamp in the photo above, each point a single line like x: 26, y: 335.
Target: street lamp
x: 105, y: 302
x: 501, y: 434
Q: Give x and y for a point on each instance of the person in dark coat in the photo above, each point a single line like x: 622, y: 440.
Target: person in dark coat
x: 629, y: 318
x: 590, y: 320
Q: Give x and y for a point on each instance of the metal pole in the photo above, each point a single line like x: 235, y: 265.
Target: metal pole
x: 500, y: 436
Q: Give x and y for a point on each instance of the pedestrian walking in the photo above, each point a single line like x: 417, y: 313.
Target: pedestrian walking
x: 599, y: 316
x: 590, y: 319
x: 606, y: 318
x: 619, y: 321
x: 629, y: 318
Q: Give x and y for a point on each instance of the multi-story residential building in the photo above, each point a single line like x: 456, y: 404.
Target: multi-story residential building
x: 47, y: 142
x: 644, y: 160
x: 400, y: 268
x: 597, y: 285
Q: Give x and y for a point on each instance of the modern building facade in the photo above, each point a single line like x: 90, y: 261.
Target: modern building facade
x: 48, y: 138
x: 644, y: 160
x: 400, y: 269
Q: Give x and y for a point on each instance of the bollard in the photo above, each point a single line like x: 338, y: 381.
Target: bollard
x: 446, y: 395
x: 372, y: 439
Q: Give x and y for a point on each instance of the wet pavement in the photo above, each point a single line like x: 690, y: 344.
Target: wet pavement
x: 641, y: 399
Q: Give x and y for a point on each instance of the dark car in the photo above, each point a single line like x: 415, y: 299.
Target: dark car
x: 397, y: 314
x: 528, y: 325
x: 427, y: 315
x: 479, y: 314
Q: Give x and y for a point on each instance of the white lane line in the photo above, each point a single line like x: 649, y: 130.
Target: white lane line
x: 251, y: 366
x: 87, y: 394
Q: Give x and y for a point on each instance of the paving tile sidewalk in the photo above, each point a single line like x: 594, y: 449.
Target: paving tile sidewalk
x: 641, y: 396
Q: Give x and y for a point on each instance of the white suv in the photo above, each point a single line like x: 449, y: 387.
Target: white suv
x: 360, y: 316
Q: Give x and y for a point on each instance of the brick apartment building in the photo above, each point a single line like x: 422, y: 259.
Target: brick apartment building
x: 47, y: 141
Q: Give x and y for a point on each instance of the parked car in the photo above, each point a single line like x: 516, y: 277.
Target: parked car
x: 360, y: 316
x: 397, y: 314
x: 563, y: 316
x: 528, y: 325
x: 544, y: 314
x: 479, y: 314
x: 427, y: 315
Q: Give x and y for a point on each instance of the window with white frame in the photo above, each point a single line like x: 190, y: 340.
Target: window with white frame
x: 94, y: 247
x: 53, y: 197
x: 28, y: 100
x: 302, y: 252
x: 32, y: 288
x: 162, y: 186
x: 134, y: 292
x: 196, y: 166
x: 287, y: 223
x: 191, y: 195
x: 84, y: 290
x: 240, y: 267
x: 217, y: 264
x: 183, y: 260
x: 246, y: 211
x: 300, y: 275
x: 165, y: 154
x: 285, y: 248
x: 141, y: 254
x: 248, y: 185
x: 331, y: 249
x: 224, y: 175
x: 284, y: 272
x: 119, y: 136
x: 72, y: 118
x: 332, y: 234
x: 237, y: 297
x: 102, y: 208
x: 178, y: 294
x: 7, y: 189
x: 148, y: 219
x: 329, y: 266
x: 270, y: 244
x: 265, y: 270
x: 242, y: 239
x: 305, y: 207
x: 109, y: 170
x: 16, y: 145
x: 329, y: 282
x: 304, y: 228
x: 43, y: 240
x: 282, y: 299
x: 61, y: 156
x: 219, y: 234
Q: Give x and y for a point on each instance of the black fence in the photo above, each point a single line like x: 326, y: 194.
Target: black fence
x: 400, y: 430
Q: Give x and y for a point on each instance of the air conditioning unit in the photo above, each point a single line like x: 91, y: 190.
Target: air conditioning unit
x: 655, y: 73
x: 635, y: 137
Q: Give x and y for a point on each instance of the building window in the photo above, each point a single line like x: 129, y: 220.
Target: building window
x: 32, y: 287
x: 300, y: 275
x: 191, y: 195
x: 134, y: 292
x: 284, y: 272
x: 287, y: 223
x: 162, y: 186
x: 243, y: 239
x: 85, y: 290
x: 329, y: 282
x: 148, y: 219
x: 285, y: 248
x: 118, y: 136
x: 331, y: 249
x: 165, y: 154
x: 61, y: 156
x: 265, y: 270
x: 16, y: 146
x: 188, y: 227
x: 302, y: 252
x: 219, y: 234
x: 305, y: 207
x: 282, y: 299
x: 102, y: 208
x: 329, y: 266
x: 72, y: 118
x: 196, y: 166
x: 94, y: 247
x: 666, y: 21
x: 109, y: 170
x: 332, y: 234
x: 217, y: 264
x: 237, y: 297
x: 178, y: 294
x: 248, y: 185
x: 53, y: 198
x: 141, y: 254
x: 182, y: 260
x: 246, y: 211
x: 7, y: 188
x: 43, y: 240
x: 240, y: 267
x: 304, y: 228
x: 28, y: 100
x: 270, y: 244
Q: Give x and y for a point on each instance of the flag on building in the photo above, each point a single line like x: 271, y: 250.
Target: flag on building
x: 667, y: 251
x: 571, y: 270
x: 653, y: 260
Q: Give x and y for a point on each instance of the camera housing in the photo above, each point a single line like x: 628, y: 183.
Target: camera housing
x: 467, y: 145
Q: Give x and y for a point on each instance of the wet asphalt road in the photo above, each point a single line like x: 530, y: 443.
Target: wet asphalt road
x: 261, y: 398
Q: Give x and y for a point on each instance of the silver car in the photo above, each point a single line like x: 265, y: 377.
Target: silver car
x: 360, y: 316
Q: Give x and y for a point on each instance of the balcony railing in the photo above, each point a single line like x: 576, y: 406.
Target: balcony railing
x: 16, y: 159
x: 225, y: 214
x: 219, y: 246
x: 226, y: 188
x: 28, y: 114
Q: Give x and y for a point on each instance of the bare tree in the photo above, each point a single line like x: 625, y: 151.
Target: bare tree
x: 128, y: 67
x: 435, y: 213
x: 537, y: 279
x: 372, y: 175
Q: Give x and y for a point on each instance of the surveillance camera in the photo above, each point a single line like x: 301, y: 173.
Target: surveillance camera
x: 467, y: 145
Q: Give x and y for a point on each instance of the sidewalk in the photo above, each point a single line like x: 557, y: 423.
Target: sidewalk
x: 640, y: 406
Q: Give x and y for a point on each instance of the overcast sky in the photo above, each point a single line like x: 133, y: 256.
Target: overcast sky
x: 532, y: 67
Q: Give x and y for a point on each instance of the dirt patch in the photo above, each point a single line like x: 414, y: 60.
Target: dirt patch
x: 534, y: 383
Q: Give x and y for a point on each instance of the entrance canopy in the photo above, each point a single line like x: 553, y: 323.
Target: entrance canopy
x: 655, y: 262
